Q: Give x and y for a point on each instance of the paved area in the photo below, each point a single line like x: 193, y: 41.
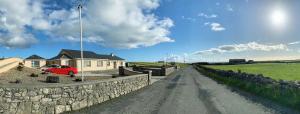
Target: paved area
x: 186, y: 92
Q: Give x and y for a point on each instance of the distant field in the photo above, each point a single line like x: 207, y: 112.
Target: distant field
x: 284, y: 71
x: 153, y: 64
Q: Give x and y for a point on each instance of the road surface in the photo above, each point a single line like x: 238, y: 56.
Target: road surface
x: 186, y: 92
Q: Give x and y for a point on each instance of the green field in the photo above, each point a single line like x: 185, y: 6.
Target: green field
x: 284, y: 71
x: 154, y: 64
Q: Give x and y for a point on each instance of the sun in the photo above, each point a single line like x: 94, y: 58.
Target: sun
x: 278, y: 18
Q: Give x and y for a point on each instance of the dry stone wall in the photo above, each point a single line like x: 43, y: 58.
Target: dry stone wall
x: 58, y: 98
x: 254, y: 78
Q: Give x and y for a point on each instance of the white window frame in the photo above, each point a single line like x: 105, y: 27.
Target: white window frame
x: 108, y: 63
x: 33, y: 65
x: 100, y: 63
x: 85, y: 63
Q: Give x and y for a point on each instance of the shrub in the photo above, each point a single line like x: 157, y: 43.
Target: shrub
x: 17, y: 81
x: 34, y: 75
x: 239, y: 71
x: 78, y: 80
x: 20, y: 68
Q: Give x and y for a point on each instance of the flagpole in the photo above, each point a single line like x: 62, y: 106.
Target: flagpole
x: 81, y: 47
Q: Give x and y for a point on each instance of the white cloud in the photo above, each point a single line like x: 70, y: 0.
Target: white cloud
x: 15, y: 16
x: 177, y: 58
x: 206, y: 23
x: 188, y: 18
x: 119, y: 24
x: 251, y: 46
x: 294, y: 43
x: 111, y: 23
x: 207, y: 16
x: 217, y: 27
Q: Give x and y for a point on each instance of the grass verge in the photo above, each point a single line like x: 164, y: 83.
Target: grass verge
x: 286, y: 96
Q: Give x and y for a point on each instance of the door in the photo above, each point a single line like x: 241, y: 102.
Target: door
x: 115, y: 65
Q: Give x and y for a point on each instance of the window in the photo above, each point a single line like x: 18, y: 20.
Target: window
x: 121, y: 63
x: 35, y: 63
x: 99, y: 63
x: 66, y: 62
x: 87, y: 63
x: 108, y: 63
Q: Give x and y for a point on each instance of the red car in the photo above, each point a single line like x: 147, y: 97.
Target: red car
x: 66, y: 70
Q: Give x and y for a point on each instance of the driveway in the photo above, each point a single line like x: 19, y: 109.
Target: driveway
x: 186, y: 92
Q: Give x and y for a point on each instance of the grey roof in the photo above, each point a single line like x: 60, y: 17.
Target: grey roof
x: 72, y: 54
x: 35, y: 57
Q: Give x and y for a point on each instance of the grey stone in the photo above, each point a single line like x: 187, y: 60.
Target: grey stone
x: 61, y: 99
x: 59, y: 109
x: 46, y: 91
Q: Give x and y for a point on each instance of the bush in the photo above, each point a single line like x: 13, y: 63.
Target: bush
x: 52, y: 79
x: 34, y: 75
x: 17, y: 81
x: 78, y: 80
x: 20, y: 68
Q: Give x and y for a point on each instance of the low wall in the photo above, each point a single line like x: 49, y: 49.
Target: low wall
x: 156, y: 71
x: 9, y: 63
x: 127, y: 72
x: 169, y: 70
x: 257, y: 79
x: 57, y: 98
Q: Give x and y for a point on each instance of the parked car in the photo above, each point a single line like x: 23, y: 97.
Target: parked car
x: 66, y: 70
x: 49, y: 66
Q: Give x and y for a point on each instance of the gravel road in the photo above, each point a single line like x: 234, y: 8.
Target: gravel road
x: 187, y: 92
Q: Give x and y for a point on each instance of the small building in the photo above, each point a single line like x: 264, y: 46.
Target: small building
x: 250, y: 61
x: 237, y: 61
x: 34, y: 61
x: 92, y: 61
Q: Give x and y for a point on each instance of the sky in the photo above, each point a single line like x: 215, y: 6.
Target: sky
x: 153, y: 30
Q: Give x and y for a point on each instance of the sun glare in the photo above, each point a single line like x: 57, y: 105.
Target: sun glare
x: 278, y: 18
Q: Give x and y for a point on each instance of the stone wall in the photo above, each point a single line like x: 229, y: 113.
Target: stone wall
x: 127, y: 72
x: 156, y: 71
x: 57, y: 98
x: 254, y: 78
x: 167, y: 71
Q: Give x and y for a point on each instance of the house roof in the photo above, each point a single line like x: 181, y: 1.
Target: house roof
x: 35, y: 57
x: 72, y: 54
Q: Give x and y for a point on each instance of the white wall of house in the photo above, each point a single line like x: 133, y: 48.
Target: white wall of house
x: 98, y: 64
x: 34, y: 63
x: 65, y: 62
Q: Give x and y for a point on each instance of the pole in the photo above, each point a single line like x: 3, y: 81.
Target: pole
x: 81, y: 47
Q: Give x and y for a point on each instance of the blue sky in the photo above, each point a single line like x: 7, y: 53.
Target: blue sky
x: 150, y: 30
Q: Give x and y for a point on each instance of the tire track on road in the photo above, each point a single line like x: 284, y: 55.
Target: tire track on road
x: 205, y: 97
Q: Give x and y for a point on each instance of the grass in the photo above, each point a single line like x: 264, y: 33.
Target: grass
x: 289, y: 97
x: 154, y: 64
x: 284, y: 71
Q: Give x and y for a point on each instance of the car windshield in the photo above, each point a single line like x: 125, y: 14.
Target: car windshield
x: 64, y: 67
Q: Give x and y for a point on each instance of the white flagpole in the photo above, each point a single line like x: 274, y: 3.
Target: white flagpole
x: 81, y: 47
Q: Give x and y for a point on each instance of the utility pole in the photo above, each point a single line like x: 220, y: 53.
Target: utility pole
x: 81, y: 47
